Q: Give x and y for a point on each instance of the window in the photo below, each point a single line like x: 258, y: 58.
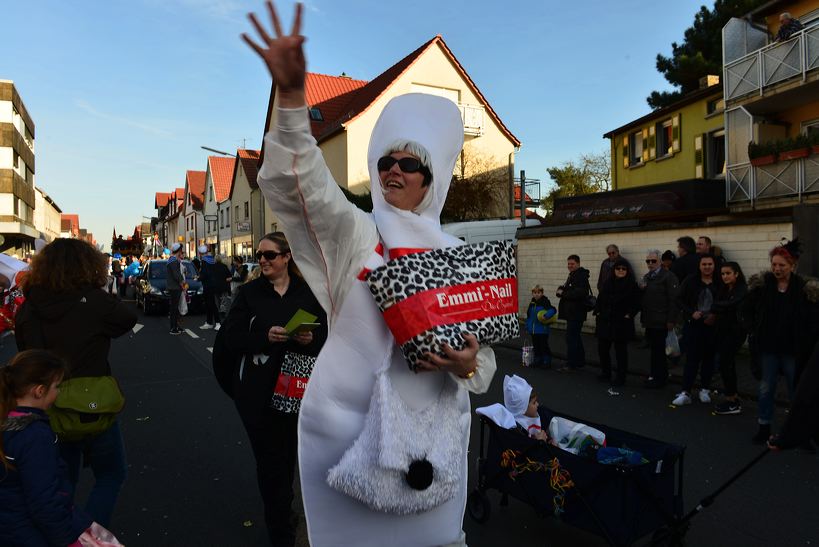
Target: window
x: 210, y: 194
x: 715, y: 105
x: 236, y: 215
x: 16, y: 206
x: 715, y: 160
x: 247, y: 210
x: 16, y: 160
x: 315, y: 114
x: 221, y: 219
x: 810, y: 127
x: 665, y: 138
x: 635, y: 148
x: 227, y: 217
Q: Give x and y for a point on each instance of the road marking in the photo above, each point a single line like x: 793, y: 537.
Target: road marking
x: 191, y: 333
x: 209, y: 349
x: 137, y: 328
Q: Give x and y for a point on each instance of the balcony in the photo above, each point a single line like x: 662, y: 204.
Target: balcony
x: 747, y: 184
x: 760, y: 70
x: 472, y: 116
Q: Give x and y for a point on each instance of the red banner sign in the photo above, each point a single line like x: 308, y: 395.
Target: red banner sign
x: 448, y: 305
x: 291, y: 386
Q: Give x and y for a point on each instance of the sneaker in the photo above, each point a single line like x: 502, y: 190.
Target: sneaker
x: 206, y: 326
x: 217, y: 326
x: 705, y: 396
x: 174, y: 332
x: 681, y: 399
x: 728, y: 407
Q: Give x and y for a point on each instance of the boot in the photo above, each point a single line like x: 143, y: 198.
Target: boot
x: 762, y: 434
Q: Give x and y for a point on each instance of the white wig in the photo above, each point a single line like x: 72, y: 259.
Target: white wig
x: 417, y: 150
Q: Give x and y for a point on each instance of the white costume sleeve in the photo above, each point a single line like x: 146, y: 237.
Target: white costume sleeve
x: 479, y: 383
x: 330, y: 237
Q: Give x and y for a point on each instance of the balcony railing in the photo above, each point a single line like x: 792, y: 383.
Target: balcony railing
x: 473, y: 116
x: 793, y: 178
x: 772, y: 64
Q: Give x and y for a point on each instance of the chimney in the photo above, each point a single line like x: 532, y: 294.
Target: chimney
x: 709, y: 80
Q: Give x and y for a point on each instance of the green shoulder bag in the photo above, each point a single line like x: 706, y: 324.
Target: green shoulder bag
x: 85, y: 407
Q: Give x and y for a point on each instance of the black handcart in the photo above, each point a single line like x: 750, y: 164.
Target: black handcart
x: 620, y: 503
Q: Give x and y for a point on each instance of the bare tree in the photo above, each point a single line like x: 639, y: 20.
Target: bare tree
x: 479, y: 191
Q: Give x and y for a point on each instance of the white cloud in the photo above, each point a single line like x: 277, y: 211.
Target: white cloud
x: 154, y: 130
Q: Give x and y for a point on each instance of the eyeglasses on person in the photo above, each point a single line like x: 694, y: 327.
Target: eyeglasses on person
x: 268, y: 255
x: 407, y: 165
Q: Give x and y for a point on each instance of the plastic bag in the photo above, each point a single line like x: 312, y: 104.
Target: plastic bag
x: 97, y: 536
x: 183, y: 305
x: 527, y: 355
x: 672, y: 344
x: 572, y: 436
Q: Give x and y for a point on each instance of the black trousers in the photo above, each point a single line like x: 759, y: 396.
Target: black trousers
x: 211, y: 308
x: 656, y: 343
x: 728, y: 345
x: 273, y: 439
x: 173, y: 308
x: 620, y: 351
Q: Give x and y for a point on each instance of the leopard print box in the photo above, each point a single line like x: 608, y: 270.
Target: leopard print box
x: 431, y: 298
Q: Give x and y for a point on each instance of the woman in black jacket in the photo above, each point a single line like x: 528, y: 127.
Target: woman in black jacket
x: 68, y: 312
x: 729, y: 333
x: 254, y: 329
x: 617, y: 304
x: 696, y: 300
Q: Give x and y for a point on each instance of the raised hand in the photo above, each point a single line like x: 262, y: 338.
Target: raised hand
x: 283, y: 55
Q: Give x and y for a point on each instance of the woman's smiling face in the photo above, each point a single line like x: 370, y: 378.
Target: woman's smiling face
x: 402, y: 190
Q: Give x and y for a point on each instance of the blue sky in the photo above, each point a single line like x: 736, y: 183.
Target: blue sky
x: 124, y: 93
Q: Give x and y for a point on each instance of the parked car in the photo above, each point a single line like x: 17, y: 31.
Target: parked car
x: 151, y: 293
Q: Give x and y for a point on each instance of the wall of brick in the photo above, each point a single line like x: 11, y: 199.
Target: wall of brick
x: 542, y: 260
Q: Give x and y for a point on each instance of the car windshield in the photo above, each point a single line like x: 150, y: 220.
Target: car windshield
x: 158, y: 270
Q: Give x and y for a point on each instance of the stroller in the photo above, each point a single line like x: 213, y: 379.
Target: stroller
x: 620, y: 503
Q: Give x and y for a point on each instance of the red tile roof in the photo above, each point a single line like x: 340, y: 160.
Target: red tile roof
x: 161, y: 199
x: 221, y: 173
x: 342, y: 100
x: 250, y: 163
x: 195, y: 185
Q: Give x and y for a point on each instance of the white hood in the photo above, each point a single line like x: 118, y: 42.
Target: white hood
x: 516, y: 392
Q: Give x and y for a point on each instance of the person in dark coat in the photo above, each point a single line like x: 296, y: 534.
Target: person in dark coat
x: 574, y: 294
x: 67, y: 312
x: 34, y: 491
x: 781, y: 314
x: 658, y: 314
x: 687, y: 262
x: 696, y: 302
x: 729, y: 333
x: 221, y: 288
x: 617, y: 304
x: 175, y: 284
x: 254, y: 329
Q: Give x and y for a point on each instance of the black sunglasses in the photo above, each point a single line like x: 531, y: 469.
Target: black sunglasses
x: 268, y: 255
x: 407, y: 165
x: 651, y: 261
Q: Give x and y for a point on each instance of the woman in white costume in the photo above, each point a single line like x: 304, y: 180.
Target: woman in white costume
x: 417, y: 138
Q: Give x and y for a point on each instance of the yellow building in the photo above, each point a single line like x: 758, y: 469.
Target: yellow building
x: 343, y: 112
x: 683, y: 141
x: 772, y: 99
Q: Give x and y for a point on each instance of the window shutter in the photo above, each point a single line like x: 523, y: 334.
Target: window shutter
x: 645, y: 144
x: 675, y: 133
x: 652, y: 142
x: 625, y: 151
x: 699, y: 156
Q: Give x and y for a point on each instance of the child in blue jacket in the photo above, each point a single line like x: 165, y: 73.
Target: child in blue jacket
x: 34, y: 490
x: 539, y: 316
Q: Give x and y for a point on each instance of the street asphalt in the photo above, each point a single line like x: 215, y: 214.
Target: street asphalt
x: 192, y: 475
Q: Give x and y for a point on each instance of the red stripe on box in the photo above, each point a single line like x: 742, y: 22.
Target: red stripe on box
x: 404, y: 251
x: 448, y: 305
x: 291, y: 386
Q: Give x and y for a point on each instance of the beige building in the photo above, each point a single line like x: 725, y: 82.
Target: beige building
x: 17, y: 196
x: 47, y: 216
x: 218, y: 179
x: 192, y: 216
x: 343, y: 112
x: 249, y: 224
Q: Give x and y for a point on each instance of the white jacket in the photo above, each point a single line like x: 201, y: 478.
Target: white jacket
x: 332, y: 241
